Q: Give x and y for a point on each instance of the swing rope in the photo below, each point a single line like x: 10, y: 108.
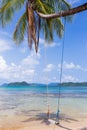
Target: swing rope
x: 47, y: 100
x: 60, y: 80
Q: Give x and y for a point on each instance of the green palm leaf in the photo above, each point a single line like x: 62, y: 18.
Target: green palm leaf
x: 30, y: 21
x: 48, y: 31
x: 43, y: 7
x: 58, y: 27
x: 7, y: 10
x: 20, y: 29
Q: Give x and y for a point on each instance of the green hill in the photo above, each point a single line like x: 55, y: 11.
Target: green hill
x: 74, y: 84
x: 19, y: 84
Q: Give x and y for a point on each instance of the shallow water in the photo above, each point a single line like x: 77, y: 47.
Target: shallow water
x: 32, y: 101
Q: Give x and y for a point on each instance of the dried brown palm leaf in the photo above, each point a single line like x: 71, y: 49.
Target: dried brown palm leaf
x: 38, y: 31
x: 31, y: 27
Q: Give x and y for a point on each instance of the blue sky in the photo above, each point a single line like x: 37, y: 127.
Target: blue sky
x: 18, y: 63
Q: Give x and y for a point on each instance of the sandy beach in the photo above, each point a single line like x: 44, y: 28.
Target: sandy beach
x: 23, y: 110
x: 43, y: 66
x: 22, y: 123
x: 39, y: 125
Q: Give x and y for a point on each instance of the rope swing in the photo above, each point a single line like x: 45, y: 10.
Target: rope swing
x: 59, y: 88
x: 60, y: 80
x: 46, y: 79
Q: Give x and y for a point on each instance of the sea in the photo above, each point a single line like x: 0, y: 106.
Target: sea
x: 34, y: 100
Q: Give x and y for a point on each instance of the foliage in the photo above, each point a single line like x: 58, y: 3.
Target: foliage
x: 30, y: 22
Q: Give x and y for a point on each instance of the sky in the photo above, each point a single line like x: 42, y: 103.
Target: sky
x: 18, y: 63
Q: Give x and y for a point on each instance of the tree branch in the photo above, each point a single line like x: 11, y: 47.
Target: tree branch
x: 64, y: 13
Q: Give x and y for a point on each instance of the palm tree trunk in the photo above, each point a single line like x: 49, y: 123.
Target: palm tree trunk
x: 64, y: 13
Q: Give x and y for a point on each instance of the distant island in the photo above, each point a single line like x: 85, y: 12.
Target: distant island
x: 69, y: 84
x: 50, y: 84
x: 74, y: 84
x: 21, y: 84
x: 18, y: 84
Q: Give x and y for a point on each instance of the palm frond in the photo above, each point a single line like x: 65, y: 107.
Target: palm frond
x: 30, y: 22
x: 38, y: 30
x: 67, y: 4
x: 20, y: 29
x: 58, y: 27
x: 7, y: 10
x: 40, y: 6
x: 43, y: 7
x: 47, y: 30
x: 56, y: 4
x: 14, y: 3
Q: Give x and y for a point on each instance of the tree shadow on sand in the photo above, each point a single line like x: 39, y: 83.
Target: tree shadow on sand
x: 43, y: 118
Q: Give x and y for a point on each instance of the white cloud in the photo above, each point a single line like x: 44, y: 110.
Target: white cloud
x: 49, y: 68
x: 6, y: 34
x: 28, y: 72
x: 55, y: 79
x: 23, y: 50
x: 71, y: 66
x: 69, y: 78
x: 5, y: 41
x: 3, y: 65
x: 32, y: 60
x: 4, y: 45
x: 24, y: 70
x: 42, y: 41
x: 51, y: 44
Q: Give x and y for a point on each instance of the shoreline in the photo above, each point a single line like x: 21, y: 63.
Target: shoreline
x: 20, y: 110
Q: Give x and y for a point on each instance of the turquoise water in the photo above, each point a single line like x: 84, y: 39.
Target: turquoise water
x: 66, y: 91
x: 32, y: 101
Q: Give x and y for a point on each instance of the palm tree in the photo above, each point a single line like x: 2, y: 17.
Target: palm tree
x: 34, y: 19
x: 71, y: 11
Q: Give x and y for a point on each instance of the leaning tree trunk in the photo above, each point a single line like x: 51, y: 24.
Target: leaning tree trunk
x: 64, y: 13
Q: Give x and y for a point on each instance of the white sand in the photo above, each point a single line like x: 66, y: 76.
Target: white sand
x: 41, y: 124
